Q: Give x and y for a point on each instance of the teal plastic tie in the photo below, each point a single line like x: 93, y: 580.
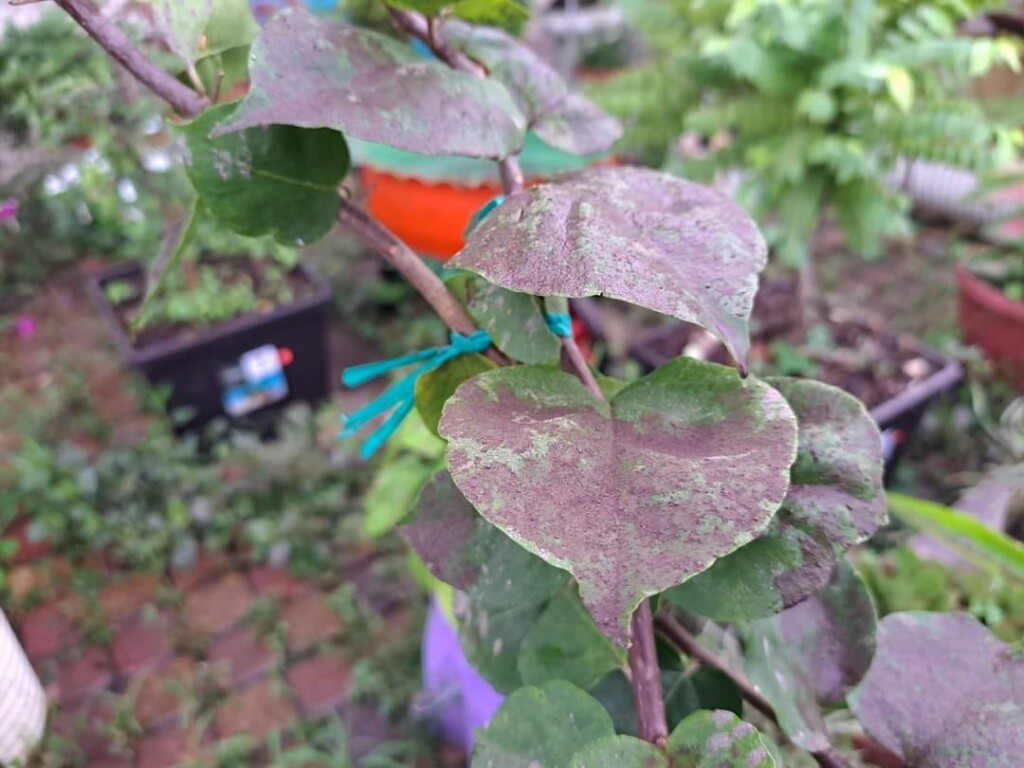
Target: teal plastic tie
x: 400, y: 396
x: 560, y: 324
x: 482, y: 214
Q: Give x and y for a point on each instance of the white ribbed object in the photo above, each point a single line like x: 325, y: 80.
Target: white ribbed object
x: 22, y: 701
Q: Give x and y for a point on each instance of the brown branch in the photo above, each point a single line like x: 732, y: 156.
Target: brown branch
x: 677, y: 634
x: 399, y: 255
x: 646, y: 678
x: 182, y: 99
x: 574, y: 356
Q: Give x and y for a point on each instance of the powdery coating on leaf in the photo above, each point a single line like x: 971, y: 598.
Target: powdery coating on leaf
x: 634, y: 495
x: 561, y: 118
x: 835, y: 500
x: 717, y: 739
x: 944, y: 693
x: 541, y: 728
x: 314, y: 73
x: 630, y: 234
x: 813, y: 654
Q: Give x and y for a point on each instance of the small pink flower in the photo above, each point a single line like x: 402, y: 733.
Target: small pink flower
x: 25, y: 326
x: 8, y: 209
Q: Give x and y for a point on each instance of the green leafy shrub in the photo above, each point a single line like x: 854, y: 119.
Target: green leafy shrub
x: 815, y: 101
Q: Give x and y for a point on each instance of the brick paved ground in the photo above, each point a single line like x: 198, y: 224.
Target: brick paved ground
x: 155, y: 672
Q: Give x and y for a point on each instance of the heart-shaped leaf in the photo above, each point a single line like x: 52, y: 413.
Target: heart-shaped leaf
x: 706, y: 739
x: 541, y: 728
x: 563, y: 119
x: 633, y: 495
x: 630, y: 234
x: 835, y: 500
x: 315, y: 73
x: 943, y: 692
x: 514, y: 321
x: 520, y: 621
x: 280, y: 180
x: 813, y: 654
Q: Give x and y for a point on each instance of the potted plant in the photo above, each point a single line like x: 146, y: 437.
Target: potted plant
x: 990, y: 281
x: 229, y: 337
x: 574, y: 507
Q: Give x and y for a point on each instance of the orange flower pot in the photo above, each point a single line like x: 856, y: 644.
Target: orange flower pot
x: 430, y: 217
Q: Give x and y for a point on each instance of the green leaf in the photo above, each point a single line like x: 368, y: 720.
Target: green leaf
x: 684, y: 694
x: 394, y: 490
x: 632, y: 495
x: 496, y: 12
x: 435, y: 387
x: 717, y: 739
x: 631, y: 234
x: 963, y: 533
x: 506, y: 588
x: 231, y: 26
x: 280, y: 180
x: 564, y: 644
x: 373, y: 88
x: 514, y: 321
x: 900, y: 85
x: 835, y: 500
x: 541, y: 728
x: 619, y: 752
x: 943, y: 693
x: 812, y: 654
x: 195, y: 29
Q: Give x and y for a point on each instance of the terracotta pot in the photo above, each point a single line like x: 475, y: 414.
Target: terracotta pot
x: 429, y: 217
x: 992, y: 321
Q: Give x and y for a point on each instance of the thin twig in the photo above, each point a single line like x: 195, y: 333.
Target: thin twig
x: 646, y: 678
x: 426, y: 30
x: 677, y: 634
x: 399, y: 255
x: 575, y: 358
x: 182, y: 99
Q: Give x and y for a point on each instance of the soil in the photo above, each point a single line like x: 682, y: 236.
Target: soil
x: 856, y: 354
x: 230, y: 271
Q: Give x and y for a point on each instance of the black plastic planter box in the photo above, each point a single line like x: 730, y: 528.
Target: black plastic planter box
x: 242, y: 369
x: 898, y: 418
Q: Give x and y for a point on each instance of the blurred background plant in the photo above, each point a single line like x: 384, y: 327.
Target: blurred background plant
x: 812, y: 104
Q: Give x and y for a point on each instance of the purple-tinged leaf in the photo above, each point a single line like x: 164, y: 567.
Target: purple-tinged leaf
x: 634, y: 495
x: 812, y: 654
x: 835, y: 500
x: 315, y: 73
x: 630, y: 234
x: 561, y: 118
x: 943, y: 692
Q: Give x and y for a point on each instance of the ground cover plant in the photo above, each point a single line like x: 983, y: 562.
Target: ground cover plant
x: 590, y: 525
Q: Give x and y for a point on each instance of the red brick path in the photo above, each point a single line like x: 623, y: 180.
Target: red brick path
x: 189, y: 659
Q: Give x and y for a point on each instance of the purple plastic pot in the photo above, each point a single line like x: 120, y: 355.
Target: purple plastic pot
x: 455, y: 696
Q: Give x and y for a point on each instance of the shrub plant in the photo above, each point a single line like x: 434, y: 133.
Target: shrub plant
x: 816, y: 102
x: 592, y: 525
